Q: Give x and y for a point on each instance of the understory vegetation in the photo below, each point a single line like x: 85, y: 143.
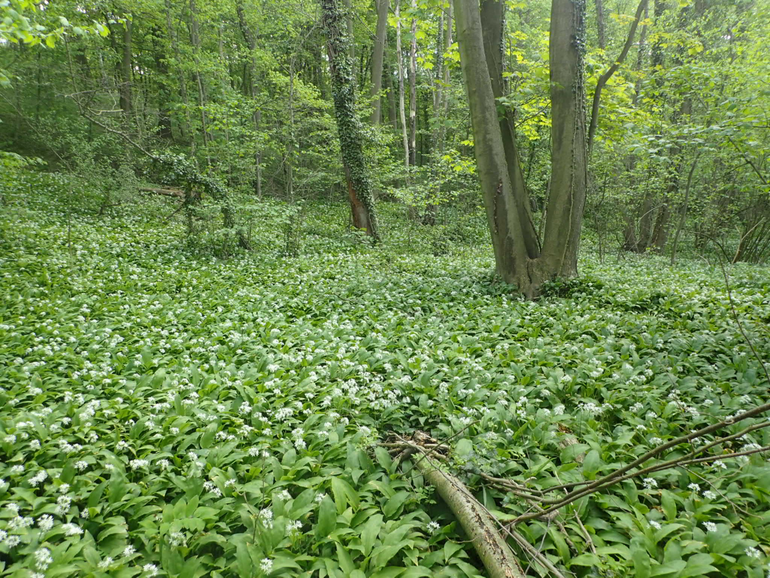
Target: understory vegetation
x: 173, y: 405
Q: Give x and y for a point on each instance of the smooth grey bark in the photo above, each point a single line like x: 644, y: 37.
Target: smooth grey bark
x: 378, y: 57
x: 511, y: 234
x: 126, y: 100
x: 492, y: 25
x: 349, y: 128
x: 568, y: 133
x: 413, y: 91
x: 401, y: 98
x: 511, y: 259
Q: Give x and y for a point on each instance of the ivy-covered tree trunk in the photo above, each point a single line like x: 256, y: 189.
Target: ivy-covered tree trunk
x: 349, y: 127
x: 518, y: 257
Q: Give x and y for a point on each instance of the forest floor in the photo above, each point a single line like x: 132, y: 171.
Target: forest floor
x: 167, y: 412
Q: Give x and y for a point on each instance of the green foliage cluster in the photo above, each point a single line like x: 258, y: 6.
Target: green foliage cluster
x: 166, y: 413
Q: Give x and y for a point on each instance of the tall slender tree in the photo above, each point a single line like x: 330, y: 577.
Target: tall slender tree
x: 378, y: 57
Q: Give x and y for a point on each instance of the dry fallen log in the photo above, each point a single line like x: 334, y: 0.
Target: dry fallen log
x: 475, y: 520
x: 478, y: 523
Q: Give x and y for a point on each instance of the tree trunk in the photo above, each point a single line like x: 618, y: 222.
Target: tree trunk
x: 196, y: 44
x: 492, y: 25
x: 511, y: 258
x: 349, y: 127
x: 163, y: 91
x: 126, y: 99
x: 392, y: 108
x: 568, y: 144
x: 413, y: 91
x: 251, y: 89
x: 512, y: 239
x: 185, y: 128
x: 685, y: 207
x: 378, y: 57
x: 448, y: 41
x: 349, y: 24
x: 611, y: 70
x: 401, y: 98
x: 600, y: 28
x: 475, y: 519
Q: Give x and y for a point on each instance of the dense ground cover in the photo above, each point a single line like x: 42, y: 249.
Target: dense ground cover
x: 166, y: 412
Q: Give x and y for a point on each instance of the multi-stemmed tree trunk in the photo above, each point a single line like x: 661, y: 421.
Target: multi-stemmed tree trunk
x: 519, y: 258
x: 349, y: 127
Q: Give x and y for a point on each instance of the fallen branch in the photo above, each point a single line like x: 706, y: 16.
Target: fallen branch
x: 475, y: 519
x: 178, y: 193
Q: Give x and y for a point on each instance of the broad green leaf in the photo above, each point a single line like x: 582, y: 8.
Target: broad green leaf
x: 327, y: 519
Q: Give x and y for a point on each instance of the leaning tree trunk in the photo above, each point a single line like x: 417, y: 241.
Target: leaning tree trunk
x: 511, y: 258
x: 349, y: 127
x: 492, y: 25
x: 513, y: 239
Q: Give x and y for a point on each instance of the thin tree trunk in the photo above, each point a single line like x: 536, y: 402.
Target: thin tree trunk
x: 401, y: 98
x: 685, y: 206
x: 611, y: 70
x: 196, y: 44
x: 289, y: 160
x: 185, y: 128
x: 349, y: 127
x: 126, y: 98
x: 413, y: 91
x: 439, y: 116
x: 600, y: 28
x: 392, y: 108
x: 378, y: 57
x: 349, y: 24
x: 163, y: 92
x: 640, y: 55
x: 251, y: 41
x: 448, y: 41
